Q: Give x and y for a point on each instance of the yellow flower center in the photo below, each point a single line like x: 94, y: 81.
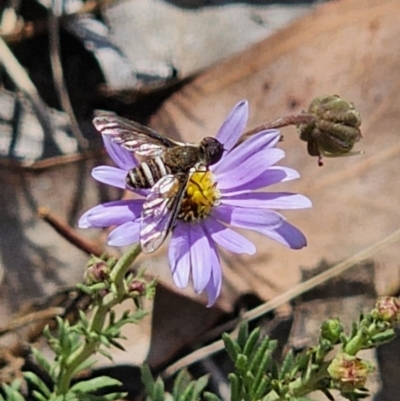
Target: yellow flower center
x: 201, y: 195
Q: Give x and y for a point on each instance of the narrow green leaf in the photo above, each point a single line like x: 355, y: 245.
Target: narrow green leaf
x: 236, y: 392
x: 106, y: 354
x: 12, y: 394
x: 83, y: 318
x: 231, y: 347
x: 181, y: 381
x: 200, y: 385
x: 159, y: 390
x: 188, y: 392
x: 147, y: 379
x: 261, y: 371
x: 210, y: 396
x: 41, y: 360
x: 243, y: 335
x: 261, y: 389
x: 38, y: 382
x: 91, y: 385
x: 39, y: 396
x: 251, y: 342
x: 259, y: 354
x: 287, y: 364
x: 116, y: 344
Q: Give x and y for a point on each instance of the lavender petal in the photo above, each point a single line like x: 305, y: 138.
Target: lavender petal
x: 213, y: 287
x: 110, y: 175
x: 200, y: 257
x: 260, y: 142
x: 233, y: 126
x: 111, y: 213
x: 121, y: 157
x: 273, y: 175
x: 254, y: 166
x: 125, y: 234
x: 288, y: 235
x: 250, y: 218
x: 267, y: 200
x: 179, y: 255
x: 227, y: 238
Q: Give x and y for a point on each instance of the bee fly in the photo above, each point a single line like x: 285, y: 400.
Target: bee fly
x: 166, y: 170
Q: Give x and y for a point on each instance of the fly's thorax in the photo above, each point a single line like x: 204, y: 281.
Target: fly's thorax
x: 182, y: 158
x: 200, y: 197
x: 147, y: 173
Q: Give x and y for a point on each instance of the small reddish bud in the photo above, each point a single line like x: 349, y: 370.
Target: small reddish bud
x: 387, y: 309
x: 349, y: 372
x: 137, y: 287
x: 97, y: 272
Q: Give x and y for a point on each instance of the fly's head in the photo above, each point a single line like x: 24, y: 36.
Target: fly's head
x: 211, y: 150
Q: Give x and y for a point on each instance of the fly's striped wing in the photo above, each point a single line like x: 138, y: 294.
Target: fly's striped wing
x: 133, y: 136
x: 161, y: 209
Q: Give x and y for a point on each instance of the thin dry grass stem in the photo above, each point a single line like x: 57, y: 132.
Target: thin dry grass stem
x: 33, y: 317
x: 288, y: 295
x: 70, y: 234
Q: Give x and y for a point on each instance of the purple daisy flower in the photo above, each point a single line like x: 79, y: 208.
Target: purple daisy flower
x: 216, y: 199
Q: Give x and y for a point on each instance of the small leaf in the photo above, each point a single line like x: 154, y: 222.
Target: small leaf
x: 261, y: 389
x: 251, y: 342
x: 38, y: 382
x: 12, y: 394
x: 117, y: 344
x: 231, y: 347
x: 95, y: 384
x: 106, y: 354
x: 147, y: 379
x: 200, y: 385
x: 159, y: 390
x: 287, y: 364
x: 188, y: 393
x: 236, y: 392
x: 243, y: 335
x: 39, y: 396
x: 42, y: 361
x: 210, y: 396
x: 258, y: 356
x: 181, y: 381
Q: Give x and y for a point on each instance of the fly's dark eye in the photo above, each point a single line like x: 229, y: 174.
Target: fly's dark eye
x: 213, y: 150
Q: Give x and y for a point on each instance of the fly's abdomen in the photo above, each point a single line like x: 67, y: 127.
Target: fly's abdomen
x: 147, y: 174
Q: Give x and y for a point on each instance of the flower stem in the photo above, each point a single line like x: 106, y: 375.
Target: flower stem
x: 279, y: 123
x: 96, y: 324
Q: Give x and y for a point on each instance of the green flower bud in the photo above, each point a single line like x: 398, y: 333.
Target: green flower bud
x: 349, y: 372
x: 335, y: 128
x: 387, y: 309
x: 331, y: 330
x: 97, y: 272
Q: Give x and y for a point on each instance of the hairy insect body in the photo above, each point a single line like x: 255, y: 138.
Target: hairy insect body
x: 176, y: 160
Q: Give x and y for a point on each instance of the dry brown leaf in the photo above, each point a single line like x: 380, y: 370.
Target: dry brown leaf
x: 349, y: 48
